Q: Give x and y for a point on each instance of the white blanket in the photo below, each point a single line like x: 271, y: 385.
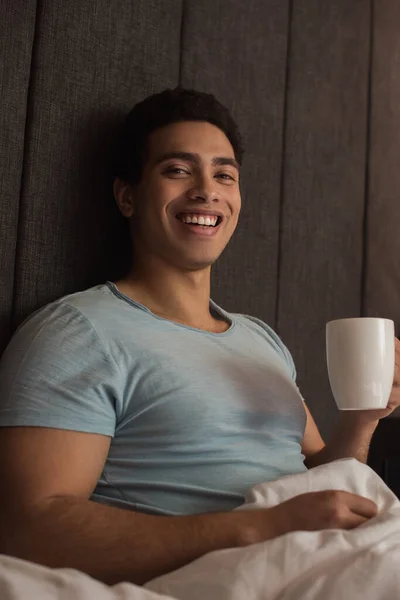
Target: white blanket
x: 328, y: 565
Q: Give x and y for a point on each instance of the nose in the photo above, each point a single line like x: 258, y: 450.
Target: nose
x: 204, y: 190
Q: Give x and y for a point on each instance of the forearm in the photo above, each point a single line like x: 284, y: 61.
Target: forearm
x: 112, y: 544
x: 351, y: 438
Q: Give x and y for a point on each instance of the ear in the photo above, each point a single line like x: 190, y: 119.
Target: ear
x: 124, y: 196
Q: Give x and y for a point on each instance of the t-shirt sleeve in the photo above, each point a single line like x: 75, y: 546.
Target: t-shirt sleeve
x: 56, y: 372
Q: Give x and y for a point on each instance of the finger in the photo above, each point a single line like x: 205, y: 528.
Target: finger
x: 354, y: 521
x: 361, y: 506
x: 396, y: 376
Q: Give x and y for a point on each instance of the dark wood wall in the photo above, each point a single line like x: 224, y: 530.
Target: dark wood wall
x: 324, y: 194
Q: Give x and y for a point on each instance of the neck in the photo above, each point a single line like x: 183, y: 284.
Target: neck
x: 181, y: 296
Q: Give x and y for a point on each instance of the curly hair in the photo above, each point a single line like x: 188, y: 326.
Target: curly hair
x: 159, y: 110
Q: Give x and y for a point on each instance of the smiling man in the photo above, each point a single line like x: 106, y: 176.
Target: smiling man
x: 135, y: 415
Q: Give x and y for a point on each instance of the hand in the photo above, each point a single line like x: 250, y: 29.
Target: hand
x: 330, y: 509
x: 394, y: 399
x: 313, y: 511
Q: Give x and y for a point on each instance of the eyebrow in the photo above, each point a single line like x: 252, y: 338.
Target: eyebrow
x: 195, y: 158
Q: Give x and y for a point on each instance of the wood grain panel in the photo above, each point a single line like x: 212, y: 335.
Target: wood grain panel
x: 17, y: 26
x: 382, y: 281
x: 324, y: 185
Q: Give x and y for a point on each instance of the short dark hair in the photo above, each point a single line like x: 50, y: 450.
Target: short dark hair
x: 164, y: 108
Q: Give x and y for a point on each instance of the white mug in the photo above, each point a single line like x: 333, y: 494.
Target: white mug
x: 360, y: 356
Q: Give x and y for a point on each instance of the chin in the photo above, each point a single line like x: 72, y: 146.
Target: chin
x: 196, y: 264
x: 189, y: 260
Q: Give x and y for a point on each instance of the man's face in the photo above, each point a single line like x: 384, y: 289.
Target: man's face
x: 188, y: 201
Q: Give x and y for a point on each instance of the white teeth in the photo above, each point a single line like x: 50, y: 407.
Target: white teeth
x: 199, y: 220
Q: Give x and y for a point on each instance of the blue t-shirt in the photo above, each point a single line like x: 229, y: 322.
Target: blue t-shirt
x: 196, y: 418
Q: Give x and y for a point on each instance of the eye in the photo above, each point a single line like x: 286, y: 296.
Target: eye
x: 176, y: 171
x: 226, y: 176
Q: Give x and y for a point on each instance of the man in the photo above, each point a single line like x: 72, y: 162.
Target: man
x: 135, y: 415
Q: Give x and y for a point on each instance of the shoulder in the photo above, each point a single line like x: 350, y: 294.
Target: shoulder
x: 70, y: 310
x: 260, y: 328
x: 62, y: 327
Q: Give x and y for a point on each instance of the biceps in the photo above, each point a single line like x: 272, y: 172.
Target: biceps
x: 312, y: 440
x: 39, y: 463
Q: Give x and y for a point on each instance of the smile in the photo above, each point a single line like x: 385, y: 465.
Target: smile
x: 200, y: 220
x: 202, y: 225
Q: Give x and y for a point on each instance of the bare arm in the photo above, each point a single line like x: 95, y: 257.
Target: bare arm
x: 351, y: 438
x: 46, y: 516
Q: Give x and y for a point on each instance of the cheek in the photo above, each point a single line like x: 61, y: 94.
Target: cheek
x: 152, y: 204
x: 236, y: 205
x: 162, y: 193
